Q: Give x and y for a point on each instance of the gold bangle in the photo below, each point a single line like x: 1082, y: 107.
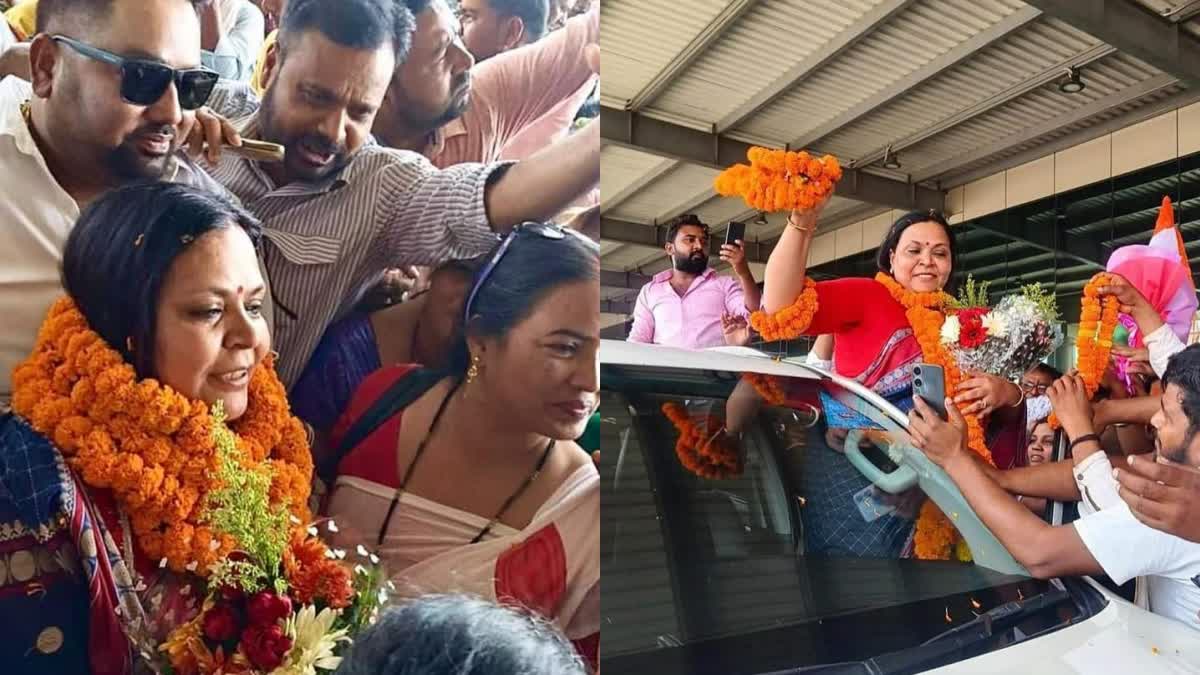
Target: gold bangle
x: 794, y: 226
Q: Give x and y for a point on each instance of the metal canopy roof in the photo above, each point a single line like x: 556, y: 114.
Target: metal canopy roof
x: 956, y: 87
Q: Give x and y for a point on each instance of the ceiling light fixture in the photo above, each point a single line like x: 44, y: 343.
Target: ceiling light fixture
x: 890, y: 159
x: 760, y: 219
x: 1072, y: 83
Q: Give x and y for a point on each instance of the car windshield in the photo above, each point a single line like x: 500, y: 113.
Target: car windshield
x: 738, y: 535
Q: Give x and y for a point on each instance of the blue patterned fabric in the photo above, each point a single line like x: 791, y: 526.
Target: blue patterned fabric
x: 32, y: 479
x: 42, y: 592
x: 839, y: 416
x: 346, y: 355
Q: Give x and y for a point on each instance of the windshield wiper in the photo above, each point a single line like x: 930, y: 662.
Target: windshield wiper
x: 933, y: 652
x: 982, y: 626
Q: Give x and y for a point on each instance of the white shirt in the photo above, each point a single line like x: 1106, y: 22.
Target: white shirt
x: 1126, y: 548
x: 37, y: 215
x: 1163, y: 343
x: 1097, y: 487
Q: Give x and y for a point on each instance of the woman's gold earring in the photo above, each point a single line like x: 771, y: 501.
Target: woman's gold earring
x: 473, y: 371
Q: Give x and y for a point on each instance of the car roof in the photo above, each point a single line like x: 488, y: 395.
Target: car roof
x: 741, y: 359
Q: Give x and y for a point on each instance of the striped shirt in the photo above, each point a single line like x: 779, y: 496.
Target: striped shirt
x: 325, y: 242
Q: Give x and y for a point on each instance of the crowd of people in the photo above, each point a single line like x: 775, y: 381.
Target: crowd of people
x: 1132, y: 465
x: 152, y: 271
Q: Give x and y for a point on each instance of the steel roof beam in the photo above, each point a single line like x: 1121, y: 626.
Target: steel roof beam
x: 1084, y: 250
x: 815, y: 61
x: 991, y: 103
x: 646, y: 134
x: 1114, y: 100
x: 1134, y: 30
x: 655, y: 236
x: 688, y: 55
x: 612, y: 201
x: 963, y: 51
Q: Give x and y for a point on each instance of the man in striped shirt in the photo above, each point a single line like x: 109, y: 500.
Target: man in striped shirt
x: 339, y: 211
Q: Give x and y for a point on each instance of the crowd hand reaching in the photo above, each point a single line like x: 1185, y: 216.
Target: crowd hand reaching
x: 205, y: 132
x: 985, y: 393
x: 736, y: 329
x: 941, y: 440
x: 1133, y: 303
x: 735, y: 256
x: 1162, y: 494
x: 1069, y: 400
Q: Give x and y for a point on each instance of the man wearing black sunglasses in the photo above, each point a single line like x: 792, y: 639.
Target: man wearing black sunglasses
x: 339, y: 211
x: 111, y: 83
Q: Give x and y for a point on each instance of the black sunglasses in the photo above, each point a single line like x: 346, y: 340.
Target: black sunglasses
x: 546, y: 231
x: 143, y: 81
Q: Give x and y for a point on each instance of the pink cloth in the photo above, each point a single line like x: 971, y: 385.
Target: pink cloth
x: 691, y: 321
x: 523, y: 99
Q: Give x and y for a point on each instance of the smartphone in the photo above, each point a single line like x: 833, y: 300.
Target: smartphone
x: 261, y: 151
x: 929, y: 382
x: 735, y: 232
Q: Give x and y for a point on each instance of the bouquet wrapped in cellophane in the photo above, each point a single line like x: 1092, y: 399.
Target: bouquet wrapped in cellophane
x: 1005, y: 340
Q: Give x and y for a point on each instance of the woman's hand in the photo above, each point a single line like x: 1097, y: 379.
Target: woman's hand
x: 1133, y: 303
x: 983, y: 393
x: 806, y: 219
x: 942, y: 441
x: 1069, y: 399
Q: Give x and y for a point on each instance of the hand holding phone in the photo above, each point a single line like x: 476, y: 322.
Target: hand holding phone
x: 735, y: 232
x: 929, y: 382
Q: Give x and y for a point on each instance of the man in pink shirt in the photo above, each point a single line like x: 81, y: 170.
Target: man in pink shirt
x: 491, y: 27
x: 443, y: 106
x: 690, y: 305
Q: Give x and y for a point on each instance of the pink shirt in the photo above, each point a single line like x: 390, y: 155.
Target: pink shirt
x: 691, y: 321
x: 523, y: 99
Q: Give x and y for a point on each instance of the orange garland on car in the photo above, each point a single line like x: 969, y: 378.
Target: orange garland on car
x: 704, y: 448
x: 768, y: 388
x: 935, y: 534
x: 150, y: 445
x: 780, y: 180
x: 1097, y: 322
x: 790, y: 322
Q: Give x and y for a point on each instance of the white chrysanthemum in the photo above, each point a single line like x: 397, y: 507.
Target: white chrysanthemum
x: 995, y: 324
x: 313, y: 642
x: 950, y: 329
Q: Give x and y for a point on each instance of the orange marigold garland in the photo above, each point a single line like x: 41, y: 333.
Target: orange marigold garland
x: 790, y: 322
x: 768, y: 388
x: 149, y: 444
x: 780, y: 180
x: 1097, y: 322
x: 704, y: 448
x: 935, y: 536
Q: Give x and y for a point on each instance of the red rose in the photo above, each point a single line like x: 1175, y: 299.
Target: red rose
x: 265, y: 646
x: 221, y: 623
x: 266, y: 608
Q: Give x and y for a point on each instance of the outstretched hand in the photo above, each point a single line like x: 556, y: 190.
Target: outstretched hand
x: 941, y: 440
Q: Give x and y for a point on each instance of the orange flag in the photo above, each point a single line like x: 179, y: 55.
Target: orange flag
x: 1166, y: 219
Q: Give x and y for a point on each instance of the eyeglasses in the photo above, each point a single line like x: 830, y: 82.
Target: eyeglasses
x: 143, y: 81
x: 543, y: 230
x: 1036, y: 389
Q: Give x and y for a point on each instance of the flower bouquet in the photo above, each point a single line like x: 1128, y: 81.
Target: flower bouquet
x: 282, y: 603
x: 780, y: 180
x: 1005, y: 340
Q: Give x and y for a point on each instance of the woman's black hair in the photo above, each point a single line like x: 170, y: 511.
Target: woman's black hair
x: 459, y: 635
x: 531, y: 268
x: 121, y: 248
x: 883, y: 259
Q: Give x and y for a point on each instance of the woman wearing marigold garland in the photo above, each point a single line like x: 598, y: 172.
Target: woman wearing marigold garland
x: 107, y: 460
x: 883, y: 326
